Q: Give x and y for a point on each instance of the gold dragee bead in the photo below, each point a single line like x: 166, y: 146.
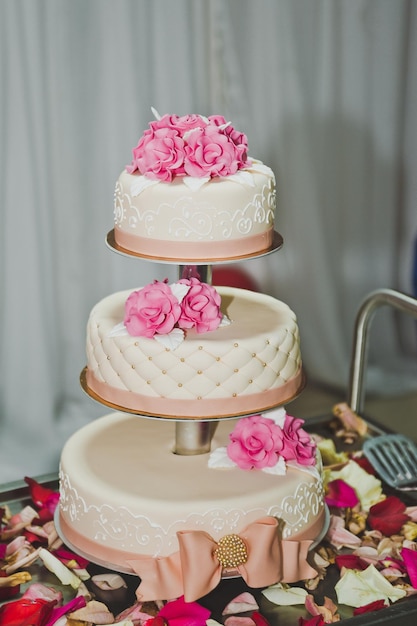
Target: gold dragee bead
x: 231, y: 551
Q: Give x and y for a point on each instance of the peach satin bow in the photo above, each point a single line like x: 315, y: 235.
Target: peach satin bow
x: 196, y: 569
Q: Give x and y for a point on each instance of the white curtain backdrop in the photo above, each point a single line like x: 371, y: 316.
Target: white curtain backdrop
x: 326, y: 91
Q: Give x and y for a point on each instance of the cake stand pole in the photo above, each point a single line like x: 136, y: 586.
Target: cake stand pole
x: 202, y: 272
x: 194, y: 436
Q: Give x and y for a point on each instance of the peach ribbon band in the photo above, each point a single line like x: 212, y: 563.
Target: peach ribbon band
x: 194, y: 408
x: 194, y: 571
x: 196, y: 250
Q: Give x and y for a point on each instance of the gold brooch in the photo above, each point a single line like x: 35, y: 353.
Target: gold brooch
x: 231, y: 551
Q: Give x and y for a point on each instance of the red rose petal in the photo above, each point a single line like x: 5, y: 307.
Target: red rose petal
x: 7, y: 592
x: 376, y: 605
x: 351, y: 561
x: 26, y: 612
x: 259, y: 619
x: 341, y: 495
x: 40, y: 495
x: 181, y: 613
x: 66, y: 555
x: 410, y: 561
x: 317, y: 620
x: 363, y: 462
x: 388, y: 516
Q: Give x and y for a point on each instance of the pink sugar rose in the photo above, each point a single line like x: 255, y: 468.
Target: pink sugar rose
x: 255, y: 443
x: 159, y: 154
x: 217, y: 120
x: 297, y: 443
x: 200, y: 307
x: 181, y: 124
x: 150, y: 310
x: 209, y: 152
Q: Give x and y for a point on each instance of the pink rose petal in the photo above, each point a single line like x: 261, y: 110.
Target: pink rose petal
x: 341, y: 495
x: 410, y: 560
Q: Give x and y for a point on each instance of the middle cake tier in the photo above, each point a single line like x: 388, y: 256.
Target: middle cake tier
x: 250, y: 364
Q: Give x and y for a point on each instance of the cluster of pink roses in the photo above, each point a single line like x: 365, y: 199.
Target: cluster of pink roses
x: 258, y: 442
x: 155, y: 309
x: 190, y: 145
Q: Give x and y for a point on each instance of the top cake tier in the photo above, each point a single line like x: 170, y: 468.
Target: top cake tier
x: 193, y: 193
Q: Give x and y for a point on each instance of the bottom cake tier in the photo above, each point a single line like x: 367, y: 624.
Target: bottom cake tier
x: 128, y: 502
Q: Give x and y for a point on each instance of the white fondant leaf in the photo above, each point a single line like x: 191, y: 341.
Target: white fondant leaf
x: 155, y: 113
x: 243, y: 177
x: 179, y: 290
x: 119, y: 330
x: 225, y: 322
x: 141, y: 183
x: 279, y: 469
x: 219, y: 459
x: 194, y: 183
x: 308, y: 469
x: 277, y: 415
x: 172, y: 340
x: 258, y: 166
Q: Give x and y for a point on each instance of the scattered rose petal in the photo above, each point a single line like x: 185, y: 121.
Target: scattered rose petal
x: 259, y: 619
x: 368, y: 608
x: 410, y: 560
x: 95, y: 612
x: 42, y: 496
x: 14, y: 580
x: 409, y: 530
x: 55, y: 566
x: 38, y: 590
x: 363, y: 462
x: 360, y: 588
x: 388, y: 516
x: 25, y: 612
x: 350, y: 561
x: 108, y: 581
x: 329, y: 454
x: 339, y: 536
x: 66, y: 556
x: 135, y: 613
x: 317, y: 620
x: 242, y: 603
x: 238, y: 620
x: 328, y: 610
x: 284, y: 595
x: 340, y: 494
x: 368, y: 488
x: 181, y: 613
x: 71, y: 606
x: 350, y: 420
x: 24, y: 517
x: 24, y: 560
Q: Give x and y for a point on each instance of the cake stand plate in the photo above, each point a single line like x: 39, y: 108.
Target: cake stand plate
x: 277, y: 243
x: 176, y: 418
